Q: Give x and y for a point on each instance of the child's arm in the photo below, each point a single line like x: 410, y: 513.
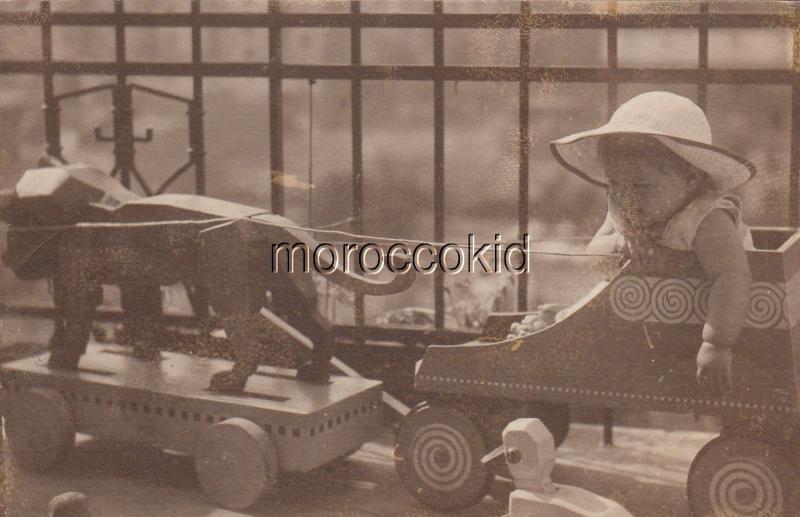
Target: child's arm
x: 720, y: 251
x: 605, y: 239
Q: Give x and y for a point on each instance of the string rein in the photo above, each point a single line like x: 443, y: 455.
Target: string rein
x: 315, y: 231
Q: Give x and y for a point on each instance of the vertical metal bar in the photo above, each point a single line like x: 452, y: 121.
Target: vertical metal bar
x: 197, y: 293
x: 357, y: 151
x: 611, y: 105
x: 122, y: 110
x: 524, y: 154
x: 52, y: 111
x: 276, y: 112
x: 612, y: 55
x: 702, y: 56
x: 52, y: 135
x: 311, y: 83
x: 608, y: 426
x: 197, y: 152
x: 794, y: 164
x: 438, y: 158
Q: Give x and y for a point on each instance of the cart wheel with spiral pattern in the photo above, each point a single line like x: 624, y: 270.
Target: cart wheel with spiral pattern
x: 438, y: 455
x: 739, y: 475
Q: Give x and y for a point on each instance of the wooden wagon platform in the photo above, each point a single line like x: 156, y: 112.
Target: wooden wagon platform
x: 241, y: 443
x: 167, y: 403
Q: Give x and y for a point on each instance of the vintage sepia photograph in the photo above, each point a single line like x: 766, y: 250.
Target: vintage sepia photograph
x: 520, y: 258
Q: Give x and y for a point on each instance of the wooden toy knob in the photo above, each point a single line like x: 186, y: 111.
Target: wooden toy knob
x: 69, y: 504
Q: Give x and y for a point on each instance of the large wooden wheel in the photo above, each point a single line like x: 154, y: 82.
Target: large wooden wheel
x: 40, y: 428
x: 742, y: 476
x: 438, y: 457
x: 236, y: 463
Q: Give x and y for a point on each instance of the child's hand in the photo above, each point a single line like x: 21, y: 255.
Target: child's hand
x: 528, y: 325
x: 714, y: 368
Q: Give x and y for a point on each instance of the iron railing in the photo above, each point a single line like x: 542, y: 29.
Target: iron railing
x: 123, y: 70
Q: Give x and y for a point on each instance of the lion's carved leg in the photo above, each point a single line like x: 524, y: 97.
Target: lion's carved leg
x: 246, y: 328
x: 294, y: 299
x: 141, y: 303
x: 246, y: 333
x: 237, y: 296
x: 76, y: 299
x: 237, y: 274
x: 243, y: 331
x: 309, y: 322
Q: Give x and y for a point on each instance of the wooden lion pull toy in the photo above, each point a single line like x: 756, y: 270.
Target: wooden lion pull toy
x: 243, y: 422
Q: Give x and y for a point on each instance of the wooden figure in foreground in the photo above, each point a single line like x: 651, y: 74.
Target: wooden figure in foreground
x: 530, y: 453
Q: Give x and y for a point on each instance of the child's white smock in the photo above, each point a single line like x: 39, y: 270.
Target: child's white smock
x: 678, y: 234
x: 681, y: 229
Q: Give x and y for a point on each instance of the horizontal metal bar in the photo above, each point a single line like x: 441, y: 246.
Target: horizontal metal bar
x: 341, y: 332
x: 403, y: 334
x: 411, y: 73
x: 8, y: 309
x: 21, y: 67
x: 21, y: 18
x: 406, y: 21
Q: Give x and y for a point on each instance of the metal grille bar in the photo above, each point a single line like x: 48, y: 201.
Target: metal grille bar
x: 409, y: 73
x: 407, y: 21
x: 438, y: 158
x: 357, y: 148
x: 613, y: 60
x: 276, y: 113
x: 794, y: 142
x: 702, y: 58
x: 197, y: 153
x: 524, y: 142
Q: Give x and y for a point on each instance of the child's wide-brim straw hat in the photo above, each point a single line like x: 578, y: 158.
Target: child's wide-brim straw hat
x: 675, y: 121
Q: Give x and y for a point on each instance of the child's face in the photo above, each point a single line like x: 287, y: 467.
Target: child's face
x: 647, y: 183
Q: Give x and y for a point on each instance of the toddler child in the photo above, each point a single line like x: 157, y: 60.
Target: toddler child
x: 666, y: 186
